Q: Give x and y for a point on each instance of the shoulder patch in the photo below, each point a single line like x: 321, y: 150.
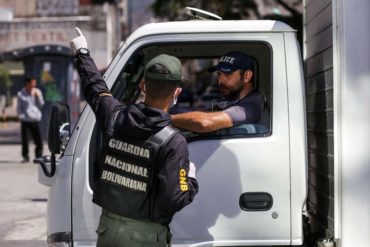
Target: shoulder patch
x: 183, y: 182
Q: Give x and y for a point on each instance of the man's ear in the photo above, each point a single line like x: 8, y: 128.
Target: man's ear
x: 248, y: 74
x: 142, y: 86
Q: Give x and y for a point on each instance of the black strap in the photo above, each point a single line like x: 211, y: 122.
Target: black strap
x: 158, y: 140
x: 163, y: 135
x: 110, y: 122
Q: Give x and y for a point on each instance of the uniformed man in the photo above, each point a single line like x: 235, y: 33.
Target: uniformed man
x: 145, y: 176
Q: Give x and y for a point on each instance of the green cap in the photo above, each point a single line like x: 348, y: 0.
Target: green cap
x: 172, y: 64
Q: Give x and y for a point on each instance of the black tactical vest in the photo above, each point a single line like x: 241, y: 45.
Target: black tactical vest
x: 128, y: 171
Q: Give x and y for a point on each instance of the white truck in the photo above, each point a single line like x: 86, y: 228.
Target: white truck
x: 252, y: 180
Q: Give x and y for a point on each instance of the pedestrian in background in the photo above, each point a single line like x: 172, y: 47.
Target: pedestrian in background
x: 29, y: 103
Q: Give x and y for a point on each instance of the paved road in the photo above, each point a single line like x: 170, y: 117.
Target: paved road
x: 22, y: 198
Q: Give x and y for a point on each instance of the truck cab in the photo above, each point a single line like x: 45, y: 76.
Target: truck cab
x: 252, y: 178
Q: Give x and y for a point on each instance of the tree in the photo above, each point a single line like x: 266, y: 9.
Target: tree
x: 236, y: 10
x: 228, y: 10
x: 6, y: 83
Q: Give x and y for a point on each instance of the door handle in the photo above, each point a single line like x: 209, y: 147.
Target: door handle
x: 255, y: 201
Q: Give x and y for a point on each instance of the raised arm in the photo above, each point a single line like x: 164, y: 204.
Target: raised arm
x: 94, y: 87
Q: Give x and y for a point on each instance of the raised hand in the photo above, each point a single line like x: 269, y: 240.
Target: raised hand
x: 78, y: 42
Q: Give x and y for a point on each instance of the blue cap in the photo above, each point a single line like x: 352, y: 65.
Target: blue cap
x: 233, y: 61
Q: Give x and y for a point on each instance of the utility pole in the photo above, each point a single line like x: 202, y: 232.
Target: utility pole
x: 113, y: 27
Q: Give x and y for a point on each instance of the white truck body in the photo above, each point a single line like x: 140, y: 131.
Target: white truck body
x: 351, y: 68
x: 228, y: 165
x: 336, y: 48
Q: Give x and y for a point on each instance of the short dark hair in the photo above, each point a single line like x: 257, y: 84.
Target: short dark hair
x: 28, y: 79
x: 160, y: 88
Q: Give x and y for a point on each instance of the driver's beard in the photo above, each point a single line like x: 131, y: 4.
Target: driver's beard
x: 235, y: 93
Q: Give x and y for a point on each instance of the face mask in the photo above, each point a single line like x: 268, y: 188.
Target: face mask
x: 174, y: 102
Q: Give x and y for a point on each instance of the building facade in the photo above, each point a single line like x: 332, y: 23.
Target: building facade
x: 318, y: 57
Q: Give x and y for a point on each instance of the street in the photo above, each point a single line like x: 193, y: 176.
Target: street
x: 22, y: 199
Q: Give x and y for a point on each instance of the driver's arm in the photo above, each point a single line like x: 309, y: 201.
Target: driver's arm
x: 202, y: 122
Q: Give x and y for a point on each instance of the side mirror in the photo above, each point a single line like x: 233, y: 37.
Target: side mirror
x: 59, y: 128
x: 59, y: 132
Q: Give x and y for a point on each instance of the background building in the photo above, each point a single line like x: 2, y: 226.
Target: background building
x: 34, y: 41
x: 318, y: 55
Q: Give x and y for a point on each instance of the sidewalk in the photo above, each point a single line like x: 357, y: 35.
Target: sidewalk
x: 23, y: 201
x: 10, y: 133
x: 10, y: 130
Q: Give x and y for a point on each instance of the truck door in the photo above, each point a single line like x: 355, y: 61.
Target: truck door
x: 244, y: 177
